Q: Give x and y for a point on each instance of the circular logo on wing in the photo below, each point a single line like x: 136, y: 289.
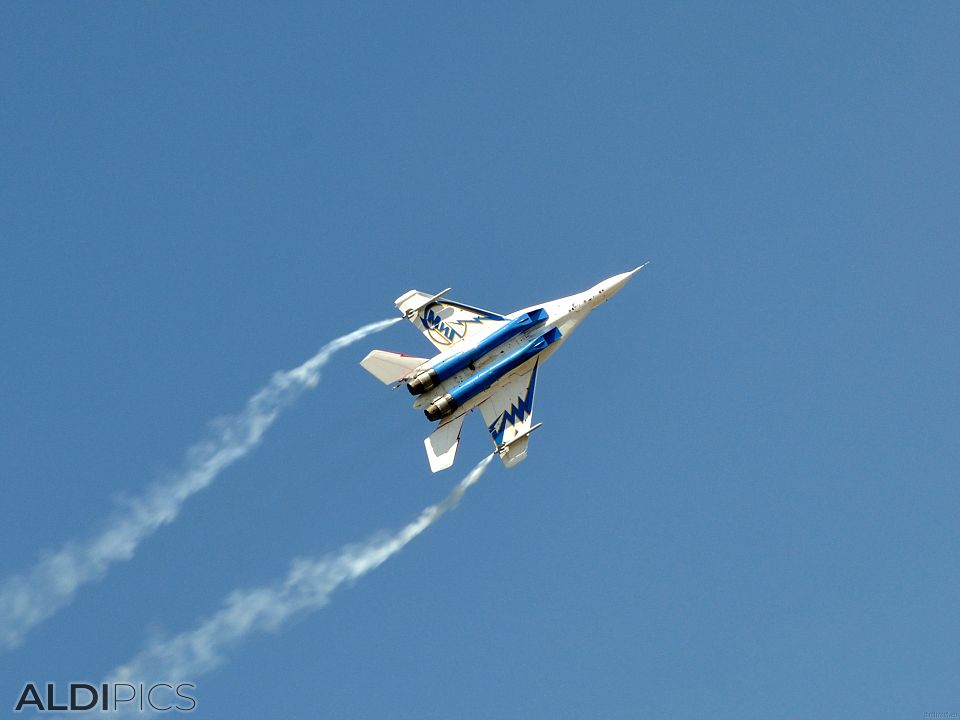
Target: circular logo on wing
x: 442, y: 330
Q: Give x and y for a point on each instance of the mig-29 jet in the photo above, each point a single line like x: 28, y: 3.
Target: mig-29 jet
x: 486, y: 361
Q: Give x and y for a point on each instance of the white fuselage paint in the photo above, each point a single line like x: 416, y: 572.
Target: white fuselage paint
x: 564, y: 314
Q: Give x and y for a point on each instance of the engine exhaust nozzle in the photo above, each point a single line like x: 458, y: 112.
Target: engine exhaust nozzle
x: 441, y: 407
x: 422, y: 382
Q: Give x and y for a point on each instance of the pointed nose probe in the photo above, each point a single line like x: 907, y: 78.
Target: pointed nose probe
x: 611, y: 286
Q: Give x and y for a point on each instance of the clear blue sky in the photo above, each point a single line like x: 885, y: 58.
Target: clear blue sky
x: 743, y: 502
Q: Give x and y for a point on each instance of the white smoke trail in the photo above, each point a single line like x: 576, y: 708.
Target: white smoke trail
x: 31, y: 597
x: 307, y: 586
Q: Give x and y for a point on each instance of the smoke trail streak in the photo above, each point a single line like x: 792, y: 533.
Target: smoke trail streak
x: 31, y: 597
x: 307, y: 586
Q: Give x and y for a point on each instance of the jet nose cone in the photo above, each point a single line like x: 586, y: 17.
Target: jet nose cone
x: 612, y: 286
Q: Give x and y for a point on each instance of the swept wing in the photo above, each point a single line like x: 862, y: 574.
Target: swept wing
x: 447, y: 323
x: 508, y: 414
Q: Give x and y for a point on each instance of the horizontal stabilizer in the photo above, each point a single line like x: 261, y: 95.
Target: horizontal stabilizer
x: 390, y: 367
x: 442, y: 444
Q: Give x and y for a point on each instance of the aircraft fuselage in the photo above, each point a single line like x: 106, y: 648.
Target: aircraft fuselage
x: 457, y: 381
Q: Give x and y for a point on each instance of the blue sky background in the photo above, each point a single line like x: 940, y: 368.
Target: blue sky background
x: 743, y: 502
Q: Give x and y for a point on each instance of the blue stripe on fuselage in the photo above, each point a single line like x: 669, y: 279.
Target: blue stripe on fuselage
x: 488, y: 376
x: 452, y: 365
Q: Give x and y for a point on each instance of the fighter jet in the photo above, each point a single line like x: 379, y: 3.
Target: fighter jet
x: 486, y: 360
